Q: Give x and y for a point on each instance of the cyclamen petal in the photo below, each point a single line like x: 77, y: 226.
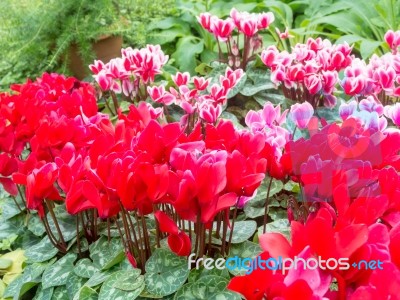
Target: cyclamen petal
x: 301, y: 114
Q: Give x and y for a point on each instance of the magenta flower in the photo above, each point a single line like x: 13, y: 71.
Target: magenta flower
x: 393, y: 112
x: 347, y: 109
x: 210, y: 113
x: 301, y: 114
x: 265, y: 19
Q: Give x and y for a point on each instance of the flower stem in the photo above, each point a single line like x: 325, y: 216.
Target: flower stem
x: 266, y: 206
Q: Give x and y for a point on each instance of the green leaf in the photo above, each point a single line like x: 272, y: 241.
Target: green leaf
x: 132, y: 281
x: 203, y: 69
x: 26, y: 240
x: 108, y: 290
x: 66, y: 221
x: 12, y: 226
x: 165, y: 36
x: 74, y: 284
x: 210, y: 287
x: 36, y: 226
x: 85, y: 268
x: 258, y: 80
x: 86, y: 293
x: 44, y: 294
x: 229, y: 116
x: 331, y: 115
x: 244, y: 250
x: 41, y: 252
x: 8, y: 207
x: 242, y: 231
x: 57, y: 274
x: 2, y: 288
x: 368, y: 47
x: 99, y: 278
x: 281, y: 226
x: 256, y: 206
x: 349, y: 38
x: 106, y: 254
x: 186, y: 50
x: 30, y: 278
x: 5, y: 263
x: 60, y: 293
x: 165, y: 272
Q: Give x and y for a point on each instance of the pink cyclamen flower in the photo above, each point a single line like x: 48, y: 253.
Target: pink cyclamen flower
x: 385, y: 77
x: 222, y: 29
x: 249, y: 26
x: 301, y: 114
x: 371, y: 105
x: 265, y: 19
x: 284, y: 35
x: 159, y: 95
x: 205, y: 21
x: 96, y: 67
x: 393, y: 39
x: 201, y: 83
x: 181, y: 78
x: 313, y: 83
x: 347, y: 109
x: 210, y: 113
x: 269, y: 55
x: 393, y: 112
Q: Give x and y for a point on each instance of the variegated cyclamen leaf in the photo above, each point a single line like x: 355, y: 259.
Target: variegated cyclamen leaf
x: 36, y: 226
x: 86, y: 293
x: 99, y: 278
x: 74, y: 284
x: 44, y: 294
x: 106, y: 254
x: 30, y: 278
x: 132, y: 281
x: 85, y: 268
x: 41, y: 252
x: 165, y: 272
x: 60, y: 293
x: 8, y: 207
x: 242, y: 231
x: 281, y: 226
x: 244, y: 250
x: 185, y: 292
x: 256, y: 206
x: 66, y: 222
x: 58, y: 273
x: 208, y: 287
x: 109, y: 292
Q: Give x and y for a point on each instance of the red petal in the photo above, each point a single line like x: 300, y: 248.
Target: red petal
x: 166, y: 224
x: 275, y: 244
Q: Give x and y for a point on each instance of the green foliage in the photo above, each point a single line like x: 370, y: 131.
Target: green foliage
x: 364, y: 25
x: 165, y: 273
x: 36, y: 35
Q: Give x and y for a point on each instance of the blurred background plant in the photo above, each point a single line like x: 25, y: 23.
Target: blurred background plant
x: 37, y: 35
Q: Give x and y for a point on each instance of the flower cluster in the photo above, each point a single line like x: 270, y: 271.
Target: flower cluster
x: 128, y: 73
x: 201, y: 100
x: 380, y: 77
x: 349, y: 181
x: 246, y: 24
x: 310, y: 71
x: 137, y: 166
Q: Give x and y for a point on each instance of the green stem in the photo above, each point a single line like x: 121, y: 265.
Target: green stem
x: 266, y: 206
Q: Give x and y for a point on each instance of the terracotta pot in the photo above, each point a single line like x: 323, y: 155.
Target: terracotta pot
x: 105, y: 49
